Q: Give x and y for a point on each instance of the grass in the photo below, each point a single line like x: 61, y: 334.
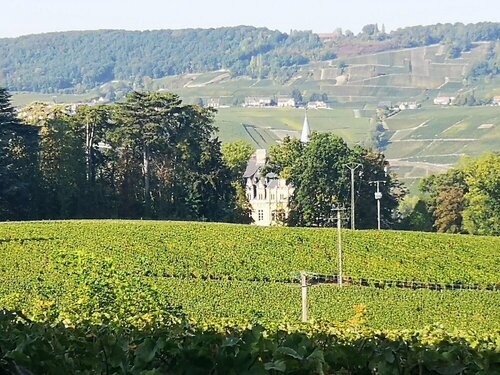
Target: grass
x: 22, y: 99
x: 289, y: 120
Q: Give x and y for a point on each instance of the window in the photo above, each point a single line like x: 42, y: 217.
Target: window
x: 273, y: 197
x: 273, y: 215
x: 261, y: 196
x: 260, y: 214
x: 282, y: 197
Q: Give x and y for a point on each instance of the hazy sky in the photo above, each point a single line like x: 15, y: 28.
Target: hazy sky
x: 19, y: 17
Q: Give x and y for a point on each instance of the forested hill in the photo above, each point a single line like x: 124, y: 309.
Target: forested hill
x: 55, y: 61
x: 81, y: 60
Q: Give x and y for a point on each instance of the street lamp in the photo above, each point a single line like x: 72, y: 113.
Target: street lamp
x: 352, y: 167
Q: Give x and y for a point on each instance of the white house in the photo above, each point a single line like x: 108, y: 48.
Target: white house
x: 317, y: 105
x: 444, y: 100
x: 259, y: 102
x: 285, y: 102
x: 268, y: 194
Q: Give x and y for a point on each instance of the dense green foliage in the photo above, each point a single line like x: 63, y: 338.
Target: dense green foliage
x: 36, y: 63
x: 128, y: 297
x: 92, y: 296
x: 466, y: 198
x: 150, y: 156
x: 250, y: 253
x: 489, y: 67
x: 322, y: 182
x: 457, y: 34
x: 31, y: 63
x: 184, y: 349
x: 79, y: 288
x: 18, y: 149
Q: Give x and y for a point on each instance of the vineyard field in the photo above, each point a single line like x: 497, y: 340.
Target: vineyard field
x: 122, y: 296
x: 249, y: 253
x: 385, y: 308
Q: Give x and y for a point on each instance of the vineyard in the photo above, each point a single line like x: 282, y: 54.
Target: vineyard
x: 196, y: 283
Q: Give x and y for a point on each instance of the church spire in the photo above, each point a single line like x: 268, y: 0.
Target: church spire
x: 306, y: 131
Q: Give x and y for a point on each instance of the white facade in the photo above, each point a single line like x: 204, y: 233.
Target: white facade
x: 317, y: 105
x: 269, y: 198
x: 258, y: 102
x: 285, y: 102
x: 444, y: 100
x: 269, y: 195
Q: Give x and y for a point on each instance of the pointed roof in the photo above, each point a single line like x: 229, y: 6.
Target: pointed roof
x: 306, y: 131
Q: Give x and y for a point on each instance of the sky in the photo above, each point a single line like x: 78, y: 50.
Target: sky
x: 21, y: 17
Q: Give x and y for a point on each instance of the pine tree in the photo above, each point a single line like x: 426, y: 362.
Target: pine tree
x: 18, y: 147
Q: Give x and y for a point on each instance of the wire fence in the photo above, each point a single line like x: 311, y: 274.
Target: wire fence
x: 316, y: 279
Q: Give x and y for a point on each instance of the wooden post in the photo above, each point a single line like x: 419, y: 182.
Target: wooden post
x: 303, y: 286
x: 339, y: 240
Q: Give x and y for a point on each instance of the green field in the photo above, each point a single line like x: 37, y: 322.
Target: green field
x: 208, y: 268
x: 287, y: 121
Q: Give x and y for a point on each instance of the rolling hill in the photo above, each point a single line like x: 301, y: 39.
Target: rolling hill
x: 422, y: 141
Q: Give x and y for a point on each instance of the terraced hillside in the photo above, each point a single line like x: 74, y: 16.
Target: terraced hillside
x: 399, y: 75
x: 239, y: 272
x: 431, y: 140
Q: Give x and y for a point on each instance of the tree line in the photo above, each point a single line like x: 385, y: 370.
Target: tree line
x: 150, y: 156
x: 318, y: 171
x: 91, y: 58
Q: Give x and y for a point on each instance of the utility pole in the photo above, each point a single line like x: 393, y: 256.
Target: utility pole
x: 352, y: 167
x: 339, y: 242
x: 378, y: 197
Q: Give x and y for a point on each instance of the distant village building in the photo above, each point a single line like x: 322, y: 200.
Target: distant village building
x: 269, y: 195
x: 496, y: 100
x: 213, y: 102
x: 316, y: 105
x: 258, y: 102
x: 444, y: 100
x: 286, y: 102
x: 409, y: 105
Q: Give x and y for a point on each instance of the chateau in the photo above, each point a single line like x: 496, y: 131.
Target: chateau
x: 269, y: 194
